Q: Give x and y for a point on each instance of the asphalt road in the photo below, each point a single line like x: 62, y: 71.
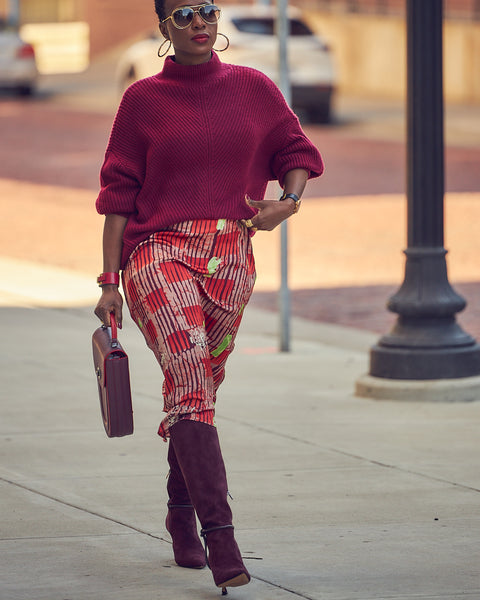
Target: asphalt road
x: 46, y: 141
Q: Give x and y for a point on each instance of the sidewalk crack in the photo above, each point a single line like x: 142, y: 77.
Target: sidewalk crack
x: 83, y: 509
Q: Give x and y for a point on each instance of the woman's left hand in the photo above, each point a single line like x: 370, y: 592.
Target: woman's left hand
x: 270, y: 213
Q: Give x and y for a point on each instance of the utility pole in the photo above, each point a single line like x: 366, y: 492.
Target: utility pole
x: 283, y: 27
x: 13, y: 13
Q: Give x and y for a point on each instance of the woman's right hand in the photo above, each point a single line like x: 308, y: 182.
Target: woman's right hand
x: 111, y: 301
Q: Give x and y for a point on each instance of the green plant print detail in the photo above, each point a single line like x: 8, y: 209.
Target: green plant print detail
x: 213, y: 265
x: 221, y: 224
x: 223, y: 346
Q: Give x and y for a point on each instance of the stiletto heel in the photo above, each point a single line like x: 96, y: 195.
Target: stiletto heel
x: 227, y: 560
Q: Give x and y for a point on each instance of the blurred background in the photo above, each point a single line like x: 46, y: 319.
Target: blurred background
x: 65, y: 63
x: 367, y: 38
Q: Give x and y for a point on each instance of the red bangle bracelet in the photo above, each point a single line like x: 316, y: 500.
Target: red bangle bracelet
x: 108, y: 279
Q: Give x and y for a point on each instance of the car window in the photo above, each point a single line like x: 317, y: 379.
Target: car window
x: 266, y: 26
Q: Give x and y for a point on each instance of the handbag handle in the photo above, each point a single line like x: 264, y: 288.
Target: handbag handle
x: 113, y: 324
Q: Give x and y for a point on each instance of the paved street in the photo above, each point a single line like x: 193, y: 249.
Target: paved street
x: 45, y: 141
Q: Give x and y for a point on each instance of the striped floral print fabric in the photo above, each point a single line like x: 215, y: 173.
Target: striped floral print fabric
x: 186, y: 288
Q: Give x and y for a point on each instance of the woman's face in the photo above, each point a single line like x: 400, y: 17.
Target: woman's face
x: 193, y: 45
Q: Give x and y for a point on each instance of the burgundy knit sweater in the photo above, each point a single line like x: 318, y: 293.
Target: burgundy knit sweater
x: 190, y: 142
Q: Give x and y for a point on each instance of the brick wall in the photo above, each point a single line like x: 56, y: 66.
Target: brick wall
x: 454, y: 9
x: 355, y: 39
x: 115, y: 21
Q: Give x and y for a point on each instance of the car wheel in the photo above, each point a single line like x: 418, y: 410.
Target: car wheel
x: 129, y: 78
x: 320, y: 114
x: 25, y: 90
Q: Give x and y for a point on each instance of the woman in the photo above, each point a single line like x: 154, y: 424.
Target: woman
x: 188, y: 149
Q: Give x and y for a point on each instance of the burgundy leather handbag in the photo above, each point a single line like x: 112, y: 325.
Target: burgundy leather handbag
x: 111, y: 368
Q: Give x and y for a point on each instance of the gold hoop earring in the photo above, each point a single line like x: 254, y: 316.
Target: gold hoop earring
x: 161, y: 55
x: 228, y: 43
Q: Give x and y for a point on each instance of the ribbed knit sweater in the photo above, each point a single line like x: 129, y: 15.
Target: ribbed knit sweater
x: 191, y: 141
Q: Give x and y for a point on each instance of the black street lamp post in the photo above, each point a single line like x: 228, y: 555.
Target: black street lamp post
x: 426, y: 342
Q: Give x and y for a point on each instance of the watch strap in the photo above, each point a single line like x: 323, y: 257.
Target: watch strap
x: 294, y: 197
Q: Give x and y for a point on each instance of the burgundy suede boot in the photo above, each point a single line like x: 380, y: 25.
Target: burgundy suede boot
x: 198, y: 451
x: 181, y: 522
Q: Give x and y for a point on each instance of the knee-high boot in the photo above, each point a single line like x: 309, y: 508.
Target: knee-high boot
x: 198, y: 451
x: 181, y: 522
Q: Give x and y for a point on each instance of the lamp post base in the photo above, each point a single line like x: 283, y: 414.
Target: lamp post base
x: 426, y: 341
x: 466, y: 389
x: 424, y: 363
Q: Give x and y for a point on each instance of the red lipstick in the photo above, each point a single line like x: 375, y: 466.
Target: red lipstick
x: 200, y: 38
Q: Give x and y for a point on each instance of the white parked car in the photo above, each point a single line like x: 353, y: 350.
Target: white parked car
x: 18, y: 69
x: 251, y: 30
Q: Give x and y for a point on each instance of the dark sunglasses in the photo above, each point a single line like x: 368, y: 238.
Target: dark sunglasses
x: 183, y: 17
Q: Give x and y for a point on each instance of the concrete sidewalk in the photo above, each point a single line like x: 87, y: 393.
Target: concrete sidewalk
x: 335, y: 497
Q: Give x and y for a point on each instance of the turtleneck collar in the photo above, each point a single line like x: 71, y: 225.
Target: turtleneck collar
x: 193, y: 74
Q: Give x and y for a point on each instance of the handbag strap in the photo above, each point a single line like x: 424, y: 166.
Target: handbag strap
x: 113, y: 324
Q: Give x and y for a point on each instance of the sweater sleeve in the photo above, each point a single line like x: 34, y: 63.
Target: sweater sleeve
x: 290, y: 148
x: 295, y: 151
x: 123, y: 169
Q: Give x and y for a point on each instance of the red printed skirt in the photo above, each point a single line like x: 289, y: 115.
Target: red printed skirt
x: 186, y: 288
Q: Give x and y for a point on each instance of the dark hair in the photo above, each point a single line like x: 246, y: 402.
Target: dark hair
x: 160, y: 9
